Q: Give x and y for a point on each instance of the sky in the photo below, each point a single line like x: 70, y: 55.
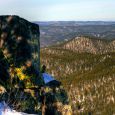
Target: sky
x: 60, y: 10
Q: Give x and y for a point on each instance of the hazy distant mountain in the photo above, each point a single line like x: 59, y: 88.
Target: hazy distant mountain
x: 56, y: 32
x: 74, y: 23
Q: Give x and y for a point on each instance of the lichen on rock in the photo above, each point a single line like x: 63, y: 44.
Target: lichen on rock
x: 19, y: 61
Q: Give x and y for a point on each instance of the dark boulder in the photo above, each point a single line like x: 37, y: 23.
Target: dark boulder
x: 19, y: 43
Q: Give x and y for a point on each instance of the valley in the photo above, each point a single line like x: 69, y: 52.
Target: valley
x: 56, y: 32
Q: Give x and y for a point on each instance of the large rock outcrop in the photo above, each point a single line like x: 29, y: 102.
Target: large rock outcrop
x: 20, y: 79
x: 19, y: 62
x: 19, y: 44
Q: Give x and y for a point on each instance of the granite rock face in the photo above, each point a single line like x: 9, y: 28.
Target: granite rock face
x: 19, y: 63
x: 19, y: 43
x: 19, y: 38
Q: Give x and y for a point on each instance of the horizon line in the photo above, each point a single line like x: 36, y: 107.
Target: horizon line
x: 74, y: 21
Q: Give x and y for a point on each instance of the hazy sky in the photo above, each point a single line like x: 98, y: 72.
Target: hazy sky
x: 54, y: 10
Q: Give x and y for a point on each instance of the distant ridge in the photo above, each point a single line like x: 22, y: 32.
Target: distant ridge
x: 55, y: 32
x: 73, y: 23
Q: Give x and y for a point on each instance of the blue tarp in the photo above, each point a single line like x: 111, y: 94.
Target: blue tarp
x: 47, y: 78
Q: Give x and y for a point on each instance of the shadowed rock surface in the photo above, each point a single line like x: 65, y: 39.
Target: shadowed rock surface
x: 19, y: 61
x: 19, y: 43
x: 19, y: 39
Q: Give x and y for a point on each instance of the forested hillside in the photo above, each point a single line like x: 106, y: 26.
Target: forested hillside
x: 88, y: 77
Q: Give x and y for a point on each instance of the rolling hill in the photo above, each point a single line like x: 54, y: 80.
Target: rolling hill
x: 89, y: 45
